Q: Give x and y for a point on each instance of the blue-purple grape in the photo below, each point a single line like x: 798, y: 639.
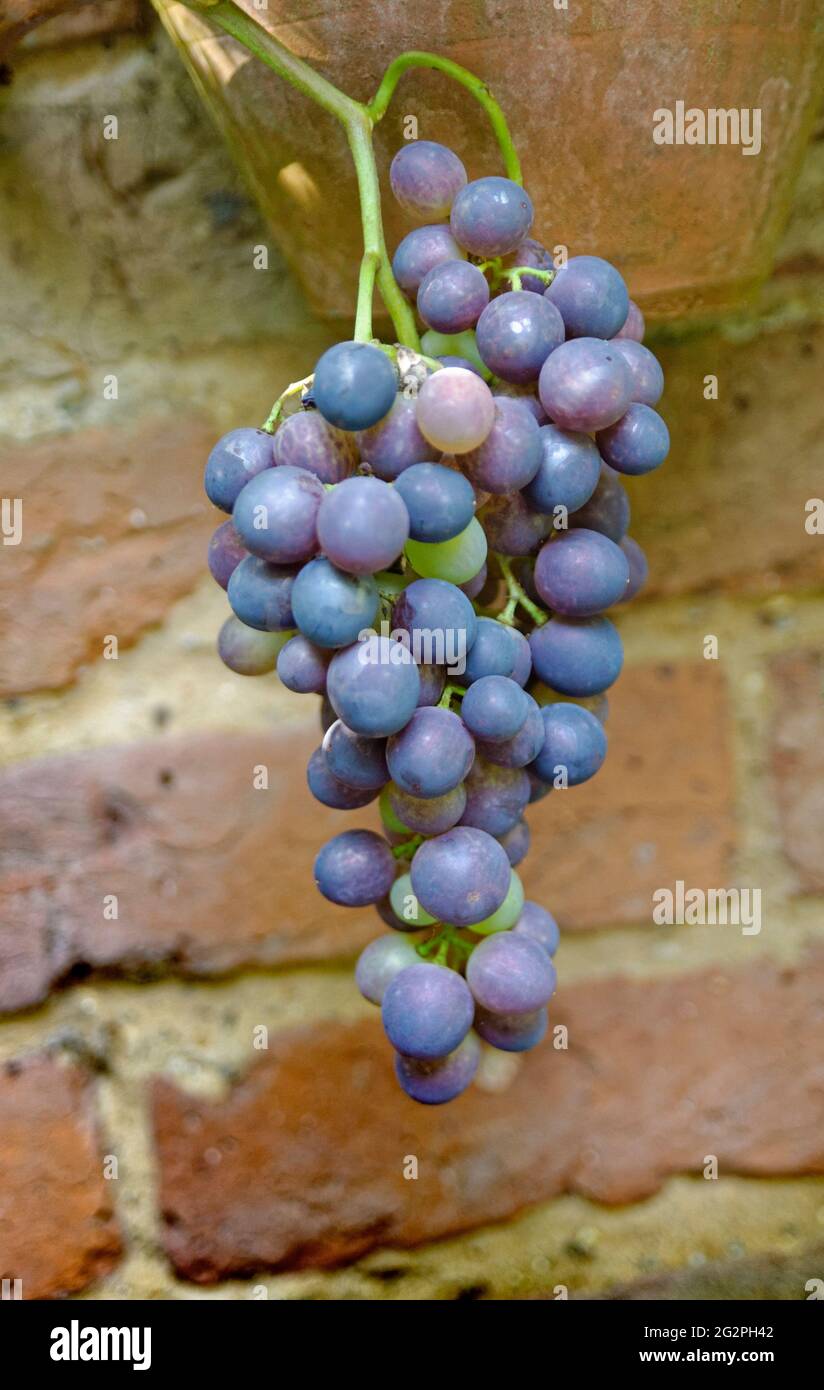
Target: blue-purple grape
x: 261, y: 594
x: 379, y: 963
x: 512, y: 526
x: 645, y: 369
x: 511, y: 1032
x: 428, y: 815
x: 276, y: 515
x: 591, y: 296
x: 493, y: 653
x: 236, y: 458
x: 449, y: 360
x: 395, y: 443
x: 419, y: 252
x: 539, y: 925
x: 607, y: 510
x: 455, y: 410
x: 247, y: 650
x: 439, y: 619
x: 516, y: 333
x: 433, y: 683
x: 359, y: 762
x: 362, y: 525
x: 431, y: 754
x: 330, y: 791
x: 516, y: 843
x: 574, y: 740
x: 638, y: 567
x: 496, y: 797
x: 580, y: 573
x: 509, y: 974
x: 374, y: 686
x: 567, y: 473
x: 306, y: 440
x: 510, y: 456
x: 522, y: 670
x: 577, y: 656
x: 435, y: 1083
x: 427, y: 1011
x: 452, y: 296
x: 355, y: 385
x: 494, y: 708
x: 491, y: 216
x: 461, y: 877
x: 302, y: 666
x: 425, y: 178
x: 355, y: 868
x: 633, y: 326
x: 637, y: 443
x: 585, y: 384
x: 330, y: 607
x: 473, y: 586
x: 523, y: 748
x: 525, y: 394
x: 226, y: 550
x: 440, y: 502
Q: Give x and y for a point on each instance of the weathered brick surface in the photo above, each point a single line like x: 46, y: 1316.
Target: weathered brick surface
x: 798, y: 762
x: 303, y: 1163
x: 115, y: 527
x: 660, y: 809
x: 58, y: 1231
x: 727, y: 508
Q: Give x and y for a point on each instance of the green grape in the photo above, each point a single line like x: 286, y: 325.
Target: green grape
x: 507, y: 914
x: 457, y: 560
x: 406, y: 906
x: 390, y: 820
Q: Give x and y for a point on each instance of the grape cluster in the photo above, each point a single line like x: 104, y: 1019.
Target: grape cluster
x: 431, y: 543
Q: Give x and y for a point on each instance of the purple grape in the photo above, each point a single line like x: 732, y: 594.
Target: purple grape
x: 433, y: 681
x: 261, y: 594
x: 355, y: 868
x: 452, y: 296
x: 511, y: 525
x: 580, y: 573
x: 355, y: 385
x: 306, y: 440
x: 493, y: 653
x: 435, y: 1083
x: 516, y: 843
x: 431, y: 754
x: 509, y: 974
x: 379, y: 963
x: 530, y: 253
x: 226, y: 550
x: 568, y: 472
x: 359, y: 762
x: 439, y: 620
x: 246, y: 650
x: 510, y: 456
x: 427, y: 1011
x: 331, y: 607
x: 419, y: 252
x: 591, y: 296
x: 539, y: 925
x: 395, y: 443
x: 302, y: 666
x: 585, y: 384
x: 461, y: 877
x: 511, y: 1032
x: 455, y: 410
x: 276, y: 515
x: 607, y: 510
x: 521, y: 750
x: 524, y: 394
x: 537, y: 788
x: 491, y: 216
x: 362, y: 525
x: 638, y: 567
x: 494, y: 708
x: 439, y: 500
x: 573, y: 739
x: 428, y: 815
x: 463, y: 362
x: 516, y: 333
x: 425, y: 178
x: 496, y: 797
x: 522, y: 669
x: 577, y: 657
x: 473, y: 587
x: 236, y: 458
x: 637, y: 443
x: 645, y: 369
x: 327, y: 715
x: 374, y: 686
x: 633, y: 327
x: 330, y: 791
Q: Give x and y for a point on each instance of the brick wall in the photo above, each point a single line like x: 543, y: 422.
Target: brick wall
x: 148, y: 1147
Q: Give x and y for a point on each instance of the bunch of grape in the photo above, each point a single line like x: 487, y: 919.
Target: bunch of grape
x: 429, y: 543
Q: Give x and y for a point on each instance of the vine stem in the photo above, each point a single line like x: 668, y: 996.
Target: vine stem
x: 518, y: 595
x: 417, y: 59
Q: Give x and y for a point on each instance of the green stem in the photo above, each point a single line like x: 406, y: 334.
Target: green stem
x: 547, y: 276
x: 277, y: 408
x: 450, y: 691
x: 518, y: 595
x: 415, y: 59
x: 407, y: 848
x: 366, y: 290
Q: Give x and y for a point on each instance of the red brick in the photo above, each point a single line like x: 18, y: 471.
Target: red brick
x: 209, y: 872
x: 302, y: 1165
x: 798, y: 763
x: 58, y: 1232
x: 105, y: 548
x: 659, y: 810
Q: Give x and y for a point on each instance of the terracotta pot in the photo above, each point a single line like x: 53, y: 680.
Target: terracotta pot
x: 692, y: 226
